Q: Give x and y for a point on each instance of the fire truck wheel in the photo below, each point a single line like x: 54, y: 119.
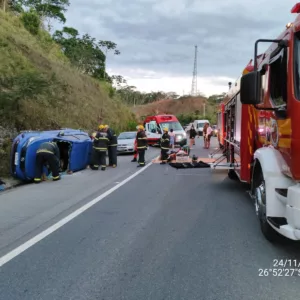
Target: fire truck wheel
x: 259, y: 191
x: 232, y: 175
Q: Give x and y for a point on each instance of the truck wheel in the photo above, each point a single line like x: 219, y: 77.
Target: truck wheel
x: 259, y: 192
x: 232, y: 175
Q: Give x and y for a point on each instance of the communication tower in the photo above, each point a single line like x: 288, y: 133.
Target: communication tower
x: 194, y: 81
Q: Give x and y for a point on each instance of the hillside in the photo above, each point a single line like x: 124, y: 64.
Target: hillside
x: 185, y: 108
x: 39, y: 89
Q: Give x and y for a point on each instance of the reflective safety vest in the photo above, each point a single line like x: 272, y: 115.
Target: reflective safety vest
x: 165, y: 141
x: 113, y: 140
x: 141, y: 140
x: 100, y: 141
x: 49, y: 147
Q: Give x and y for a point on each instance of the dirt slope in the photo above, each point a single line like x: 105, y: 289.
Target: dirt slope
x: 174, y: 107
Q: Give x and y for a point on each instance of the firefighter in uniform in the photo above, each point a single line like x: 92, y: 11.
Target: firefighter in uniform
x: 47, y: 154
x: 164, y: 146
x: 141, y: 140
x: 112, y: 147
x: 100, y: 144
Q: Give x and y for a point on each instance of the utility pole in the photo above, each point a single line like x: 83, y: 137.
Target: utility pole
x: 204, y: 109
x: 194, y: 81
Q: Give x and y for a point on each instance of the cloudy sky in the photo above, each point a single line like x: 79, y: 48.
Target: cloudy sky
x: 157, y: 38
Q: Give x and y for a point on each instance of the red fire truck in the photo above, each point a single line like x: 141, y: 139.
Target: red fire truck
x: 262, y: 133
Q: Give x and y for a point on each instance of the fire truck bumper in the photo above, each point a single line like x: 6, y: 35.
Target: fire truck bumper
x: 293, y: 209
x: 292, y: 229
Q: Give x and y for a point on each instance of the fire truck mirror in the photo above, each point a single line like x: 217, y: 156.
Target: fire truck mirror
x: 250, y: 88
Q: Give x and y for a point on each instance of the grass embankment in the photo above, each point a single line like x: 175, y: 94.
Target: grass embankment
x: 40, y: 90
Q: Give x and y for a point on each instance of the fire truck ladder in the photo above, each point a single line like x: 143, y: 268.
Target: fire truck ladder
x: 217, y: 152
x: 228, y: 152
x: 219, y: 161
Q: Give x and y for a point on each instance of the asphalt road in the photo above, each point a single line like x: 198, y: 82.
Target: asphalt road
x: 29, y: 209
x: 166, y: 234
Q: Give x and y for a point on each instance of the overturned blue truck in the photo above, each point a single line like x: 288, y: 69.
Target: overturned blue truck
x: 75, y: 151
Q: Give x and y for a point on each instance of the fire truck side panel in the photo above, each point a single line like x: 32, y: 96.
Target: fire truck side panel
x: 238, y: 156
x: 247, y: 143
x: 294, y: 96
x: 238, y: 119
x: 221, y: 124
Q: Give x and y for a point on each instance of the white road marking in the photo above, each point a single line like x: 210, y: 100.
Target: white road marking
x: 12, y: 254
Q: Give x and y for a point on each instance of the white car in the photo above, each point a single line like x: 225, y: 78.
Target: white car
x: 126, y: 142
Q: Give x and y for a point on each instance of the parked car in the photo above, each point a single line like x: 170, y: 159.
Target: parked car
x: 75, y: 151
x: 126, y: 142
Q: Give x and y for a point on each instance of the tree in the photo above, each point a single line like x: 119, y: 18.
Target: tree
x: 108, y: 45
x: 118, y: 80
x: 48, y: 9
x: 83, y: 52
x: 16, y: 5
x: 31, y: 21
x: 172, y: 95
x: 217, y: 98
x: 4, y: 4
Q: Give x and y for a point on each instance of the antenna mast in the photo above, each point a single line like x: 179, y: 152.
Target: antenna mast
x: 194, y: 82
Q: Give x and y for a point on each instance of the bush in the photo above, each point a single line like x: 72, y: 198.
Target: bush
x: 5, y: 157
x: 31, y: 22
x: 132, y: 126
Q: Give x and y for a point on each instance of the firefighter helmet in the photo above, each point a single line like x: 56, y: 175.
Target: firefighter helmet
x: 141, y: 127
x: 166, y: 129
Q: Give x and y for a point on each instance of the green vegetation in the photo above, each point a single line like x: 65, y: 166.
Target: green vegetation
x: 132, y: 97
x: 210, y: 111
x: 50, y: 82
x: 42, y: 88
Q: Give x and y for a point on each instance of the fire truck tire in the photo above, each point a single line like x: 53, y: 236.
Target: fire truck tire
x: 232, y: 175
x: 259, y: 192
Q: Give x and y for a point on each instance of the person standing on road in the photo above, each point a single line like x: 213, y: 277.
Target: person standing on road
x: 141, y: 140
x: 209, y: 132
x: 193, y: 134
x: 100, y: 144
x: 172, y: 138
x: 47, y: 154
x: 135, y: 155
x: 112, y: 147
x: 164, y: 146
x: 204, y: 135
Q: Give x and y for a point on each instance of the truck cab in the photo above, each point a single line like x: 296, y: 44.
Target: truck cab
x: 154, y: 126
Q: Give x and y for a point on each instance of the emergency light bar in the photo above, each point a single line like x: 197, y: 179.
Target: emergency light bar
x: 167, y: 117
x: 296, y: 9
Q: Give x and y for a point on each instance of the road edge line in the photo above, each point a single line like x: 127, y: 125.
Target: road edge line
x: 37, y: 238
